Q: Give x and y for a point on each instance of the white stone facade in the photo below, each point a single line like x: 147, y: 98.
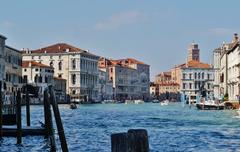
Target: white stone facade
x: 78, y: 67
x: 193, y: 79
x: 233, y: 58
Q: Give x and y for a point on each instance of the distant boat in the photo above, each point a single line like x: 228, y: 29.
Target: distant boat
x: 155, y: 101
x: 73, y: 106
x: 134, y: 101
x: 210, y: 105
x: 108, y: 101
x: 138, y: 101
x: 164, y: 103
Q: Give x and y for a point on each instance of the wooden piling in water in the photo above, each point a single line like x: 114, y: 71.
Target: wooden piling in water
x: 48, y: 121
x: 19, y: 120
x: 58, y: 121
x: 119, y: 142
x: 27, y: 106
x: 135, y: 140
x: 1, y: 107
x: 138, y: 140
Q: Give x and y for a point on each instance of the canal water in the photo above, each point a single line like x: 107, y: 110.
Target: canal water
x: 170, y: 128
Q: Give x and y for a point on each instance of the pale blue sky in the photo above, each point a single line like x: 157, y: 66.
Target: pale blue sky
x: 156, y: 32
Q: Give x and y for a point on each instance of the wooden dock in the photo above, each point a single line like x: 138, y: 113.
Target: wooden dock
x: 11, y: 131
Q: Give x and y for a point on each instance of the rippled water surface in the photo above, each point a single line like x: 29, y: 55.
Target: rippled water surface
x: 170, y: 128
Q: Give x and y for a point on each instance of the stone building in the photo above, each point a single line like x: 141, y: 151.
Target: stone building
x: 38, y: 75
x: 79, y: 67
x: 13, y: 69
x: 105, y: 85
x: 130, y: 78
x: 194, y: 75
x: 228, y: 75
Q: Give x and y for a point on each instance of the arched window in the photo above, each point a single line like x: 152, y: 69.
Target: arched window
x: 199, y: 75
x: 46, y: 79
x: 40, y: 79
x: 51, y: 64
x: 74, y: 64
x: 36, y: 78
x: 73, y: 79
x: 202, y: 75
x: 60, y: 65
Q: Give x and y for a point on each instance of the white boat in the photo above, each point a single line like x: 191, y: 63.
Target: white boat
x: 155, y: 101
x: 134, y: 101
x: 129, y: 101
x: 108, y: 101
x: 164, y: 103
x: 138, y: 101
x: 210, y: 105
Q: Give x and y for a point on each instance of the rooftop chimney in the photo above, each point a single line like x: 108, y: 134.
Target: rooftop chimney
x: 235, y: 38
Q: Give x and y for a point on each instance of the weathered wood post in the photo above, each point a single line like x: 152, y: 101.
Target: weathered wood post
x: 119, y: 142
x: 138, y: 140
x: 48, y: 121
x: 1, y: 108
x: 58, y: 121
x: 27, y: 106
x: 135, y: 140
x: 19, y: 119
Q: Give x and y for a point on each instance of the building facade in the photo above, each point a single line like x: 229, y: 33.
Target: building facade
x: 13, y: 69
x: 194, y: 76
x: 38, y: 75
x: 105, y: 86
x: 77, y: 66
x: 130, y: 78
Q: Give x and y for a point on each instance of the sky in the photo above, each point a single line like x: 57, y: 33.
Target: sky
x: 157, y: 32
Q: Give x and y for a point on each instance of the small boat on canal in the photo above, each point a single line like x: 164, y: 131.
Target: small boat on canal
x: 164, y: 103
x: 73, y: 106
x: 210, y: 105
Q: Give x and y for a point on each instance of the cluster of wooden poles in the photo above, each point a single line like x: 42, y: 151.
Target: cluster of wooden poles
x: 47, y: 130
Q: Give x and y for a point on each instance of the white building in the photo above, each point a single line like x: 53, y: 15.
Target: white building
x: 233, y: 64
x: 77, y: 66
x: 227, y: 73
x: 195, y: 75
x: 37, y: 74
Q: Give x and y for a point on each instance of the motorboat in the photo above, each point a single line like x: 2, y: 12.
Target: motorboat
x: 155, y: 101
x: 138, y: 101
x: 73, y: 106
x: 108, y: 101
x: 134, y: 101
x: 210, y: 105
x: 164, y: 103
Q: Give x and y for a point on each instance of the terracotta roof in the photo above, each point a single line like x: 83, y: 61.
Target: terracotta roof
x: 195, y: 64
x: 165, y: 74
x: 57, y: 48
x: 131, y: 61
x: 25, y: 64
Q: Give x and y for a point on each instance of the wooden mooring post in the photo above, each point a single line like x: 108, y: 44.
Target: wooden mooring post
x: 27, y: 106
x: 19, y: 119
x: 135, y: 140
x: 58, y: 121
x: 48, y: 121
x: 1, y: 108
